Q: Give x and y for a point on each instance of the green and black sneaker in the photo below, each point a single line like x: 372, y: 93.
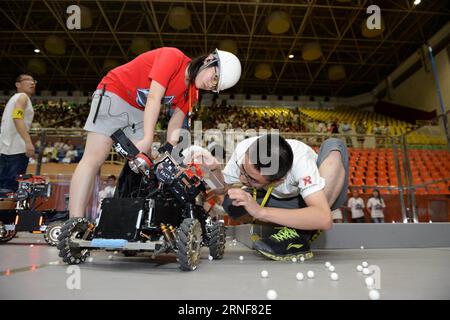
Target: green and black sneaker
x: 284, y: 245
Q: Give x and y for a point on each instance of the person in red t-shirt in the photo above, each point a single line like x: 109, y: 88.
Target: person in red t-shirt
x: 129, y: 97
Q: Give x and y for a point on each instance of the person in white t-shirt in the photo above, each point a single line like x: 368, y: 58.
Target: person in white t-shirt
x: 376, y: 206
x: 293, y: 186
x: 16, y: 146
x: 337, y: 215
x: 356, y: 206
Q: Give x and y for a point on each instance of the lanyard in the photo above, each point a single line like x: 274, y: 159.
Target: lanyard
x: 266, y: 197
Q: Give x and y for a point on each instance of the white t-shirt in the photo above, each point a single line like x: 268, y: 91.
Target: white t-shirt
x: 303, y: 178
x: 356, y: 205
x: 10, y: 140
x: 336, y: 214
x: 376, y: 206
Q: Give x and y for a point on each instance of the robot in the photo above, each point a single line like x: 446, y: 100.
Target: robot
x: 26, y: 216
x: 158, y: 207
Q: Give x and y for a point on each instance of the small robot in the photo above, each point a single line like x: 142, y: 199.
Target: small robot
x: 25, y: 215
x: 158, y: 207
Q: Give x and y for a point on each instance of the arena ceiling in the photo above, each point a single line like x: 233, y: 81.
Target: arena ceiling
x: 334, y: 24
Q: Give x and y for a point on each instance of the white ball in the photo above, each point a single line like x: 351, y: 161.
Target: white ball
x: 366, y: 271
x: 271, y: 294
x: 302, y: 259
x: 365, y: 264
x: 331, y: 268
x: 210, y: 258
x: 110, y: 257
x: 31, y: 245
x: 334, y: 276
x: 264, y: 273
x: 294, y: 259
x: 369, y: 282
x: 359, y: 268
x: 299, y: 276
x: 310, y: 274
x: 327, y: 264
x: 362, y: 247
x: 374, y: 294
x: 90, y: 259
x: 241, y: 258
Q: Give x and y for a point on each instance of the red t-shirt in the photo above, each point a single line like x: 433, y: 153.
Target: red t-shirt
x: 167, y: 66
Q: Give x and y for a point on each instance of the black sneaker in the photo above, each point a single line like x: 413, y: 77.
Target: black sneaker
x: 284, y: 245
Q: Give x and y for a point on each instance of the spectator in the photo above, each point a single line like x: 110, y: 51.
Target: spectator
x: 361, y: 131
x: 378, y: 131
x: 337, y: 216
x: 109, y: 189
x: 356, y: 206
x: 376, y: 205
x: 346, y: 130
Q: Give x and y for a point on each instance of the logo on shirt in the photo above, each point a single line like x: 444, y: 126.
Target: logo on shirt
x: 307, y: 180
x: 141, y: 98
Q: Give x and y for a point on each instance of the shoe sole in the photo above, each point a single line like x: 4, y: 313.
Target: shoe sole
x: 307, y: 255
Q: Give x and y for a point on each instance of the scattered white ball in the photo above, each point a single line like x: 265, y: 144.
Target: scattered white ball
x: 294, y: 259
x: 393, y: 221
x: 366, y: 271
x: 369, y: 282
x: 299, y: 276
x: 310, y: 274
x: 374, y: 294
x: 327, y: 264
x: 110, y: 257
x: 362, y: 247
x: 302, y: 259
x: 334, y: 276
x: 241, y: 258
x: 90, y: 259
x: 264, y: 273
x: 331, y: 268
x: 359, y: 268
x: 271, y: 294
x: 210, y: 258
x: 430, y: 221
x: 116, y: 252
x: 31, y: 245
x: 365, y: 264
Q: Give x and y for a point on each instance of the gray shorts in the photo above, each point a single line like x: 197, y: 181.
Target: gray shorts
x: 115, y: 113
x: 327, y: 146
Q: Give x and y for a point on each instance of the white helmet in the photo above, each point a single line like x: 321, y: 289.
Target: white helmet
x: 229, y: 69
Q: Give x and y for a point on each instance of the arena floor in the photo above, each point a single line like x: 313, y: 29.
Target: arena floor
x: 30, y: 269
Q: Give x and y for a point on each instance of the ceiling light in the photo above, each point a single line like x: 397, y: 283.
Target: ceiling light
x: 291, y: 56
x: 417, y: 2
x: 37, y: 50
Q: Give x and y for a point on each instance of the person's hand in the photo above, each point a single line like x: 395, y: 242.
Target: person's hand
x: 245, y: 199
x: 29, y: 147
x: 144, y: 145
x: 207, y: 159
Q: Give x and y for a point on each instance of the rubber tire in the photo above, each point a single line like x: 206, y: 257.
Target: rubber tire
x: 189, y: 239
x: 72, y: 228
x: 9, y: 237
x: 217, y: 239
x: 49, y: 236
